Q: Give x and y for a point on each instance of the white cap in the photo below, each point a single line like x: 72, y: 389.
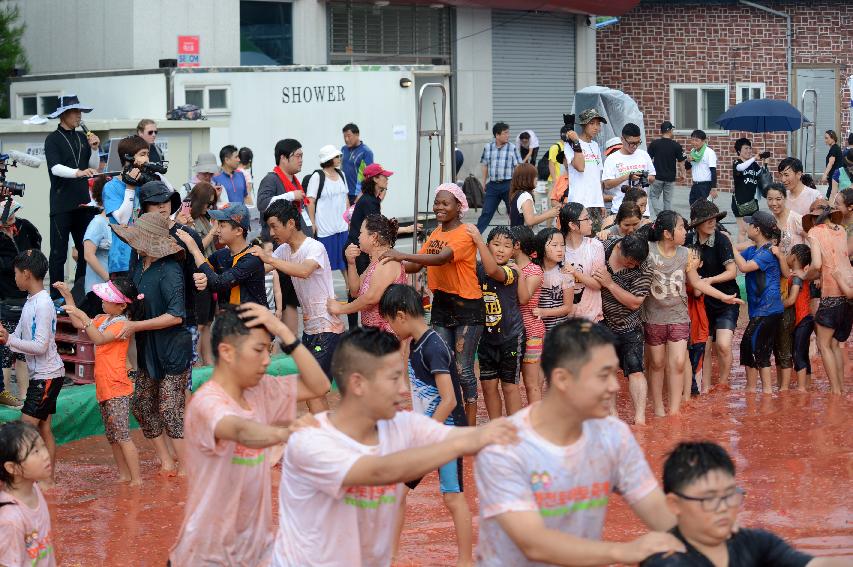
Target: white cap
x: 329, y: 152
x: 614, y: 141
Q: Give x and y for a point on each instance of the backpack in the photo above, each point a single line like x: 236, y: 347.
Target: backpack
x: 185, y: 112
x: 542, y: 170
x: 322, y: 173
x: 473, y: 190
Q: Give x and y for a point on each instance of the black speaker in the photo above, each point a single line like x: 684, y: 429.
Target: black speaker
x: 166, y: 63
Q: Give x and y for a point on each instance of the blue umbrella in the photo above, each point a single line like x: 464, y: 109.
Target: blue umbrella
x: 762, y: 115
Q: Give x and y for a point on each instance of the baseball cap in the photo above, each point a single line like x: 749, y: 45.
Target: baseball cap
x: 375, y: 169
x: 588, y: 115
x: 666, y: 126
x: 236, y: 212
x: 761, y: 219
x: 159, y: 192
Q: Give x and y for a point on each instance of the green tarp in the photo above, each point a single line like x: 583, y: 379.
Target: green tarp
x: 77, y: 414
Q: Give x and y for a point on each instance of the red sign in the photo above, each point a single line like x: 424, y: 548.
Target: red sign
x: 188, y: 51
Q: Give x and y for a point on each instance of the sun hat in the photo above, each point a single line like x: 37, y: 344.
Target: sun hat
x: 69, y: 102
x: 159, y: 192
x: 109, y: 292
x: 206, y: 163
x: 375, y: 169
x: 457, y: 192
x: 236, y: 212
x: 149, y: 235
x: 704, y: 210
x: 819, y: 211
x: 328, y: 153
x: 589, y: 115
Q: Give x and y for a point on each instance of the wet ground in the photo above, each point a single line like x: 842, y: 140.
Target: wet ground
x: 793, y: 451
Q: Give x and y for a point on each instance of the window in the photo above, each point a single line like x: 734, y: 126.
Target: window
x: 749, y: 91
x: 390, y: 34
x: 29, y: 105
x: 695, y: 107
x: 42, y: 104
x: 266, y: 33
x: 211, y: 99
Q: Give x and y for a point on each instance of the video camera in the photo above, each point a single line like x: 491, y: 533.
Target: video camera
x: 147, y: 171
x: 641, y: 181
x: 9, y: 187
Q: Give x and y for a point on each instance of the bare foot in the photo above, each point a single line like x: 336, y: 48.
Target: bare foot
x: 767, y: 391
x: 137, y: 482
x: 640, y: 420
x: 801, y: 389
x: 168, y: 472
x: 122, y: 478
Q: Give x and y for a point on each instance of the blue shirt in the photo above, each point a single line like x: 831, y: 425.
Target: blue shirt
x: 118, y: 259
x: 500, y: 161
x: 353, y: 162
x: 763, y: 291
x: 99, y: 233
x: 235, y: 185
x: 431, y: 356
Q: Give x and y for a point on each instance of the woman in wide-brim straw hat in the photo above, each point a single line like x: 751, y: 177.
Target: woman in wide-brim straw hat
x: 163, y: 343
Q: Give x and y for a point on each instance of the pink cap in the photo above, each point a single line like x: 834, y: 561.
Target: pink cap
x: 457, y: 192
x: 375, y: 169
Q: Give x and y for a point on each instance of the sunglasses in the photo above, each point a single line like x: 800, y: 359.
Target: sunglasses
x: 151, y: 132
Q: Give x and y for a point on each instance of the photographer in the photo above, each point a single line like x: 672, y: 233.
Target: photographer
x: 70, y: 161
x: 628, y: 167
x: 121, y: 198
x: 16, y: 235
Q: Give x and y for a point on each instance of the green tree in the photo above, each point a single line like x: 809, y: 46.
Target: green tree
x: 12, y: 54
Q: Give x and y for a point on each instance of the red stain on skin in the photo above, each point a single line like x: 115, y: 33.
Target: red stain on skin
x: 793, y: 452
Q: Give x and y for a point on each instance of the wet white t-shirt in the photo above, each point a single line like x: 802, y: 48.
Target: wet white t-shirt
x: 585, y: 186
x: 569, y: 486
x: 588, y: 257
x: 26, y: 534
x: 618, y: 164
x: 325, y: 524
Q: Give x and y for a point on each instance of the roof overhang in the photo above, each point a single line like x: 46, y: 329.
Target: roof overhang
x: 595, y: 7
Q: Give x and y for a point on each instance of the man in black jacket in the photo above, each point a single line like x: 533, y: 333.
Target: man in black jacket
x: 72, y: 158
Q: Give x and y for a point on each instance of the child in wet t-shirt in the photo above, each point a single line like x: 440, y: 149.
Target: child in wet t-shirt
x: 556, y: 296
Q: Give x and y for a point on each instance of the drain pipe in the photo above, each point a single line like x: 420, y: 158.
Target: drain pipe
x: 789, y: 53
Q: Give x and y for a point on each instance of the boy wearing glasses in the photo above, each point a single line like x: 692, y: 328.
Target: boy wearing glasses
x: 699, y: 482
x: 623, y: 169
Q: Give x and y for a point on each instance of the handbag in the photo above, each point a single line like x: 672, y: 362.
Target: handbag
x: 765, y: 178
x: 746, y: 209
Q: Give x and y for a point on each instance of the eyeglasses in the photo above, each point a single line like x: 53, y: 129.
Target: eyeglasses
x: 712, y: 503
x: 584, y: 219
x: 151, y: 132
x: 630, y: 144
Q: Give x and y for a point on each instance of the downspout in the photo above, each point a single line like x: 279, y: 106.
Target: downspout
x: 789, y: 53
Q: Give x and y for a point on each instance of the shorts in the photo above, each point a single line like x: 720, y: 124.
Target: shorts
x: 41, y: 398
x: 533, y: 350
x: 449, y: 478
x: 802, y: 334
x: 783, y: 350
x: 501, y: 361
x: 116, y: 415
x: 835, y: 313
x: 723, y: 316
x: 8, y: 356
x: 758, y: 341
x: 322, y: 346
x: 629, y: 348
x: 660, y: 334
x: 449, y: 310
x: 288, y: 292
x: 194, y: 336
x: 158, y: 405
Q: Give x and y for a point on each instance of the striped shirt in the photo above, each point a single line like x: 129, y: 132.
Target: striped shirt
x: 500, y: 161
x: 555, y: 283
x: 635, y: 281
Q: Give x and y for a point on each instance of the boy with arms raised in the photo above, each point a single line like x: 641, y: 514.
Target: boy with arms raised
x: 699, y: 482
x: 231, y: 424
x: 341, y: 482
x: 544, y: 500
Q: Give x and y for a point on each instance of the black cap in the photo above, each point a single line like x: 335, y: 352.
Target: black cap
x: 666, y: 126
x: 159, y: 192
x: 762, y: 219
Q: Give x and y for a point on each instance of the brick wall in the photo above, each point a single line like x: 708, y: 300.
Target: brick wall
x: 662, y: 42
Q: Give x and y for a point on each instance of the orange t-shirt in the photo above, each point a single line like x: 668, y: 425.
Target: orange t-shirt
x: 801, y: 305
x: 111, y: 379
x: 833, y: 251
x: 458, y: 277
x: 698, y: 317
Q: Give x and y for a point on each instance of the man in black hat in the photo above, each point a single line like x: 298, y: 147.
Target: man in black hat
x: 665, y: 153
x: 70, y: 162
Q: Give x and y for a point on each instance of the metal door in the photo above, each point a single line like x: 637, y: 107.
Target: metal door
x: 825, y: 84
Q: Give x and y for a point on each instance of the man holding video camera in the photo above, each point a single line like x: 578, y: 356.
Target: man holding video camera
x: 72, y: 157
x: 630, y: 166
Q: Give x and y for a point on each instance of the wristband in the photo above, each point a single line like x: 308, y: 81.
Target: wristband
x: 576, y: 147
x: 289, y: 348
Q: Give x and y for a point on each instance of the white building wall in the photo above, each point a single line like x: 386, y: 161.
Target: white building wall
x: 309, y: 33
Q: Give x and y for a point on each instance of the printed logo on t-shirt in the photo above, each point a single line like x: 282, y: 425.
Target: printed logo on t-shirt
x: 564, y: 502
x: 370, y: 497
x: 436, y: 246
x: 38, y: 549
x: 247, y: 457
x: 493, y: 309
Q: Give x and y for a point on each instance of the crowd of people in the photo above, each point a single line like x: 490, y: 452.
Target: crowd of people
x: 171, y: 279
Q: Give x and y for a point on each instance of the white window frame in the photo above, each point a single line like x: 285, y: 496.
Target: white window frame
x: 206, y: 98
x: 39, y: 96
x: 711, y: 129
x: 750, y: 86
